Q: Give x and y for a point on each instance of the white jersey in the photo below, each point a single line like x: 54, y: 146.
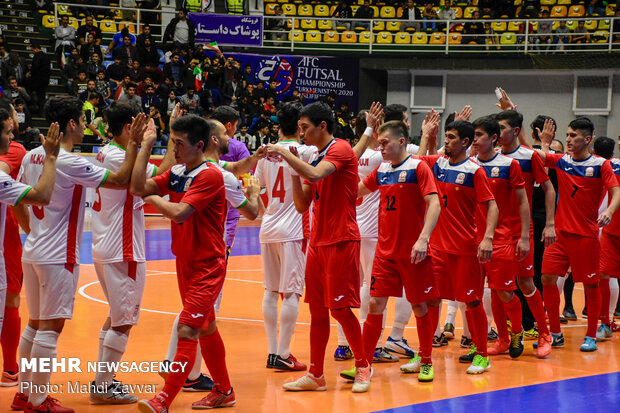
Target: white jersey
x: 368, y: 206
x: 234, y: 194
x: 281, y: 221
x: 11, y: 192
x: 118, y: 217
x: 56, y: 229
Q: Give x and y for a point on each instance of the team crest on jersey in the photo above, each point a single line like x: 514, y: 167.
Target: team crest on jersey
x: 589, y: 171
x: 188, y: 183
x: 460, y: 178
x: 495, y: 172
x: 402, y: 177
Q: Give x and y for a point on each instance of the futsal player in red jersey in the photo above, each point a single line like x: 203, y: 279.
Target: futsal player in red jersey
x: 332, y: 266
x: 582, y: 180
x: 462, y: 185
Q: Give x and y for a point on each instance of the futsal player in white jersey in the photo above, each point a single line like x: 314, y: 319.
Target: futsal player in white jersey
x: 283, y: 244
x: 119, y: 251
x: 51, y: 251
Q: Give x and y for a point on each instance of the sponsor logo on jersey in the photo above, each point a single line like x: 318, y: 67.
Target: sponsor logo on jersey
x: 197, y: 315
x: 591, y: 275
x: 508, y: 282
x: 529, y: 268
x: 428, y: 290
x: 340, y: 297
x: 495, y: 172
x: 402, y: 177
x: 460, y: 178
x: 589, y: 171
x: 469, y: 292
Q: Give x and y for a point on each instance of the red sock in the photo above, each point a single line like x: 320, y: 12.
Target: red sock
x: 499, y: 315
x: 319, y: 336
x: 513, y: 309
x: 470, y: 324
x: 10, y: 338
x: 479, y: 319
x: 186, y: 353
x: 552, y: 305
x: 538, y: 310
x: 434, y: 312
x: 593, y: 303
x: 605, y: 298
x: 353, y: 332
x: 214, y: 355
x: 371, y: 333
x: 425, y: 336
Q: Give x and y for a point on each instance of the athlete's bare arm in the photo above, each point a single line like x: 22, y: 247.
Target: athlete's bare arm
x: 250, y: 209
x: 430, y: 128
x: 362, y: 190
x: 302, y: 195
x: 246, y: 165
x: 42, y: 192
x: 614, y: 203
x: 373, y: 120
x: 548, y: 234
x: 176, y: 212
x: 485, y: 249
x: 523, y: 245
x: 420, y: 248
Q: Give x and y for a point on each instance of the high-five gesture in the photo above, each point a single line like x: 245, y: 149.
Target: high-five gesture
x: 51, y: 143
x: 138, y: 128
x: 504, y: 101
x: 374, y: 117
x: 465, y: 113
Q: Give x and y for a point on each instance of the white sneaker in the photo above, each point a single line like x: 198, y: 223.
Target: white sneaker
x: 362, y: 379
x: 112, y: 394
x: 413, y: 366
x: 307, y: 383
x: 399, y: 347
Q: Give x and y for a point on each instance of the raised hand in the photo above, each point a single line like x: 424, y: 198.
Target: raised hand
x: 374, y: 117
x: 430, y: 124
x: 252, y: 187
x: 51, y: 143
x: 548, y: 132
x: 464, y: 115
x: 150, y: 135
x: 138, y: 128
x: 176, y: 113
x: 504, y: 102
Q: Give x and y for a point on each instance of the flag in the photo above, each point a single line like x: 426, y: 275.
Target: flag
x: 120, y: 91
x: 63, y: 58
x: 198, y: 77
x: 212, y: 46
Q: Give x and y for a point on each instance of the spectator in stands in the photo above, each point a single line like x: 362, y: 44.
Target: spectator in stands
x: 447, y: 13
x: 276, y: 26
x: 70, y: 72
x: 88, y: 27
x: 147, y: 52
x: 135, y: 72
x: 170, y: 103
x: 492, y: 40
x: 94, y: 67
x: 149, y: 17
x: 119, y: 40
x: 180, y: 31
x: 543, y: 31
x: 262, y: 128
x: 175, y: 70
x: 17, y: 92
x: 131, y: 98
x: 580, y: 34
x: 65, y: 37
x: 244, y: 137
x: 160, y: 125
x: 103, y: 86
x: 150, y: 99
x: 364, y: 12
x: 127, y: 14
x: 247, y: 75
x: 156, y: 74
x: 238, y: 7
x: 191, y: 100
x: 412, y: 15
x: 24, y: 119
x: 474, y: 30
x: 148, y: 81
x: 14, y: 67
x: 530, y: 8
x: 127, y: 52
x: 271, y: 91
x: 89, y: 49
x: 270, y: 106
x: 91, y: 87
x: 259, y: 91
x: 164, y: 89
x: 344, y: 112
x: 115, y: 73
x: 4, y: 55
x: 232, y: 93
x: 188, y: 75
x: 429, y: 14
x: 91, y: 133
x: 38, y: 78
x: 562, y: 35
x: 342, y: 11
x: 596, y: 7
x: 146, y: 32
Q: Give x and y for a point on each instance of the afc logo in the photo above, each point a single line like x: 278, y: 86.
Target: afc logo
x: 276, y: 69
x: 495, y: 172
x: 460, y: 178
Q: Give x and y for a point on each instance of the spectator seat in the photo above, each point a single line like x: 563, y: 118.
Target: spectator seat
x: 455, y: 38
x: 289, y: 9
x: 387, y: 12
x: 304, y: 10
x: 499, y: 26
x: 384, y: 38
x: 393, y: 26
x: 48, y: 21
x: 325, y: 24
x: 576, y: 11
x: 296, y: 35
x: 321, y: 10
x: 469, y: 12
x: 437, y: 38
x: 331, y: 36
x: 269, y: 9
x: 402, y: 38
x: 508, y: 38
x: 107, y: 26
x: 558, y: 11
x: 364, y: 37
x: 419, y: 38
x: 348, y: 37
x: 313, y: 36
x: 307, y: 24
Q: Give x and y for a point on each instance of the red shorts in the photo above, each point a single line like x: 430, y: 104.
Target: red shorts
x: 502, y: 268
x: 13, y: 254
x: 200, y: 283
x: 526, y: 267
x: 610, y: 255
x: 390, y: 276
x: 579, y: 253
x: 458, y: 276
x: 333, y: 275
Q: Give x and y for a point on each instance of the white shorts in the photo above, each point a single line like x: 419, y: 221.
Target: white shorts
x: 122, y: 290
x: 367, y: 256
x: 50, y: 290
x: 284, y: 266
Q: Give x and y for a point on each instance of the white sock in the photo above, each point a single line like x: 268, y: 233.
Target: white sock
x: 486, y: 302
x: 364, y: 303
x: 195, y: 372
x: 463, y: 308
x: 102, y: 334
x: 438, y: 326
x: 402, y: 314
x: 25, y: 351
x: 44, y: 347
x: 2, y: 305
x: 174, y: 338
x: 453, y: 306
x: 218, y: 302
x: 270, y: 315
x: 114, y: 346
x: 560, y: 284
x: 613, y: 296
x: 288, y: 320
x: 342, y: 340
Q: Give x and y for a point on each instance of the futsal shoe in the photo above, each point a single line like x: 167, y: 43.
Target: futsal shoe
x: 413, y: 366
x: 466, y: 342
x: 362, y: 379
x: 202, y: 383
x: 289, y: 364
x: 531, y: 334
x: 603, y: 332
x: 440, y: 341
x: 155, y: 405
x: 382, y: 356
x: 516, y: 344
x: 469, y: 357
x: 400, y: 347
x: 9, y: 379
x: 216, y: 399
x: 427, y: 373
x: 615, y: 327
x: 348, y: 374
x: 570, y: 315
x: 589, y: 345
x: 113, y: 394
x: 271, y: 359
x: 558, y: 340
x: 307, y: 383
x: 499, y: 347
x: 343, y: 353
x: 49, y: 405
x: 448, y: 331
x: 492, y: 336
x: 543, y: 347
x: 19, y: 401
x: 479, y: 365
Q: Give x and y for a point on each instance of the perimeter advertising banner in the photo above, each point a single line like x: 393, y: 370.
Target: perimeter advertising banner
x: 228, y: 30
x: 313, y: 76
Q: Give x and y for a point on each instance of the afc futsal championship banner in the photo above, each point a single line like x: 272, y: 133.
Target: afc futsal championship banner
x: 313, y: 76
x: 228, y: 30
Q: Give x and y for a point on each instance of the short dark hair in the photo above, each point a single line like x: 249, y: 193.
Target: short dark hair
x: 92, y: 96
x: 514, y: 118
x: 119, y: 115
x: 582, y: 124
x: 131, y: 84
x: 488, y: 124
x: 225, y: 114
x: 288, y: 116
x: 395, y: 111
x: 448, y: 121
x: 539, y: 122
x: 319, y: 112
x: 464, y: 128
x: 12, y: 78
x: 604, y: 147
x: 196, y: 128
x: 63, y: 109
x: 4, y: 115
x: 396, y: 128
x: 360, y: 125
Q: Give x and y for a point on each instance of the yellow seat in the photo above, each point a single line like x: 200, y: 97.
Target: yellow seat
x: 437, y: 38
x: 332, y: 9
x: 458, y: 12
x: 469, y: 12
x: 313, y: 36
x: 376, y: 10
x: 387, y: 12
x: 269, y: 9
x: 577, y: 11
x: 508, y: 38
x: 591, y: 25
x: 499, y: 26
x: 304, y: 10
x: 289, y: 9
x: 419, y: 38
x: 399, y: 12
x: 513, y: 26
x: 393, y: 26
x: 129, y: 25
x: 384, y: 38
x: 331, y: 37
x: 454, y: 38
x: 402, y: 38
x: 348, y: 37
x: 565, y: 2
x: 321, y: 10
x: 296, y: 35
x: 600, y: 36
x: 547, y: 2
x: 558, y: 11
x: 603, y: 24
x: 379, y: 26
x: 48, y: 21
x: 73, y: 22
x: 308, y: 24
x: 325, y: 25
x: 107, y: 26
x: 364, y: 37
x: 610, y: 10
x: 572, y: 24
x: 63, y: 9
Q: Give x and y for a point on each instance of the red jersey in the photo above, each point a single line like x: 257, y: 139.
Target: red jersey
x: 12, y: 241
x: 614, y: 227
x: 461, y: 187
x: 402, y: 188
x: 14, y: 158
x: 504, y: 176
x: 581, y: 186
x: 201, y: 237
x: 532, y: 169
x: 333, y: 211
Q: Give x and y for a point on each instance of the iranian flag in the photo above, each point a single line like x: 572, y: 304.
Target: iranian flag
x: 212, y: 46
x: 198, y: 76
x: 63, y: 58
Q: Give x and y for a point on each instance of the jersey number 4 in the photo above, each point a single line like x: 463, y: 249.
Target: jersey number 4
x: 278, y: 190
